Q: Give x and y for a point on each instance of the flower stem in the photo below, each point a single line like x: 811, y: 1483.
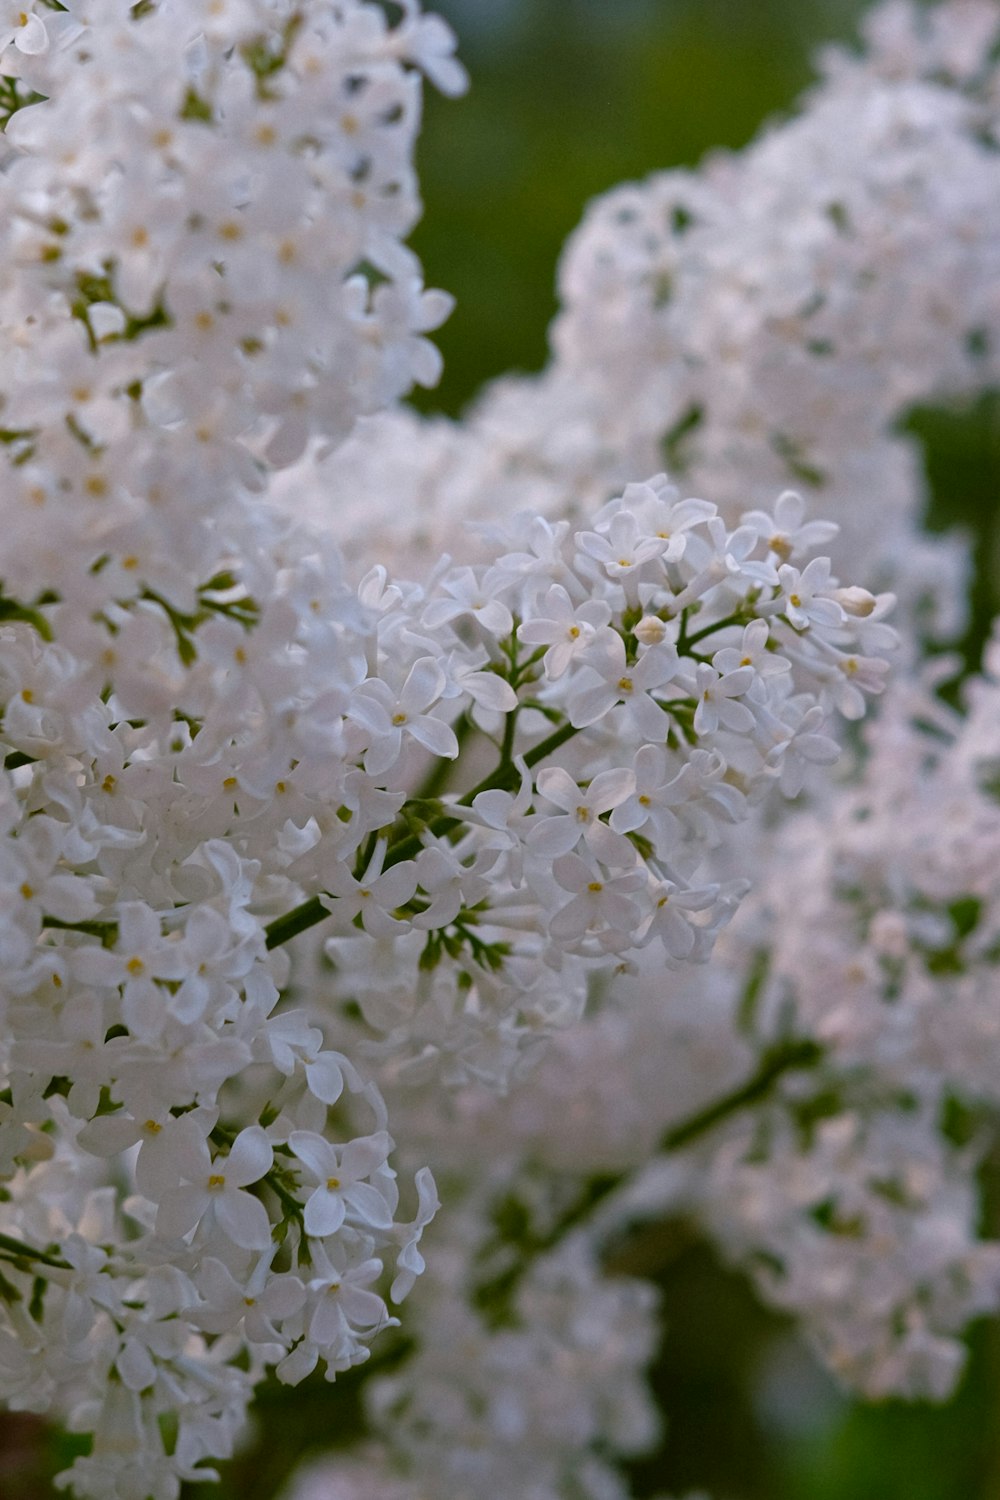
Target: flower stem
x: 14, y: 1250
x: 308, y: 913
x: 494, y: 1297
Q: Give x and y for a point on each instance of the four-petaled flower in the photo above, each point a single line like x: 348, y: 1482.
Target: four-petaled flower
x: 212, y: 1191
x: 341, y: 1174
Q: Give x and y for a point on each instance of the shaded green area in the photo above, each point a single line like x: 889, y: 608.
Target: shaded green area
x: 568, y: 98
x: 962, y: 448
x: 749, y: 1417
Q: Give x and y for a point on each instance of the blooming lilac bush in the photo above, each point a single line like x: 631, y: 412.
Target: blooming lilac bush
x: 322, y: 876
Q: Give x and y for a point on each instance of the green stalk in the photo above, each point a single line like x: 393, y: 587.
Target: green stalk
x: 503, y: 777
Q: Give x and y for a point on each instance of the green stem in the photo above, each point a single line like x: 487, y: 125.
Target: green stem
x: 783, y: 1058
x: 509, y: 730
x: 503, y: 777
x: 495, y: 1297
x: 16, y: 758
x: 102, y: 930
x: 13, y: 1250
x: 736, y: 619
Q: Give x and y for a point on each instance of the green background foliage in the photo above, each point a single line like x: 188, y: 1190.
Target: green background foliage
x: 569, y: 98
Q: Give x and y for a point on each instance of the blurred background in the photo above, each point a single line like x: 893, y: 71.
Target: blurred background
x: 571, y: 97
x: 568, y: 98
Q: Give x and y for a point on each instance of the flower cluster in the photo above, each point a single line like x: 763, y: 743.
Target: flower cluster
x: 767, y: 320
x: 818, y: 1102
x: 202, y: 224
x: 288, y: 857
x: 678, y: 667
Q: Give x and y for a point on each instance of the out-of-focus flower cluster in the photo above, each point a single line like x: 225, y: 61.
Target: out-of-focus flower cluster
x: 289, y: 857
x: 765, y: 321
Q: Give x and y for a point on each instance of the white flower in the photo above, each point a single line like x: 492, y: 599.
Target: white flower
x: 472, y: 595
x: 581, y: 816
x: 608, y: 679
x: 698, y: 782
x: 214, y: 1190
x: 388, y: 716
x: 342, y: 1311
x: 566, y: 629
x: 786, y: 531
x: 600, y: 904
x: 374, y: 897
x: 670, y: 922
x: 798, y: 745
x: 409, y: 1261
x: 714, y: 692
x: 24, y: 27
x: 753, y: 651
x: 341, y: 1174
x: 450, y: 883
x: 623, y: 551
x: 253, y: 1305
x: 143, y: 957
x: 807, y: 596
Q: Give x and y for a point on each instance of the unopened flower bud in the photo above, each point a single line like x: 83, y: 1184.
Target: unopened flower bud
x: 855, y: 601
x: 650, y: 630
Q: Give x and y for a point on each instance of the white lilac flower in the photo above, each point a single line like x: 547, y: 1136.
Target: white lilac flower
x: 608, y: 679
x: 567, y: 629
x: 580, y: 816
x: 374, y: 897
x: 715, y: 692
x: 253, y: 1305
x: 786, y: 531
x: 341, y: 1175
x: 216, y: 1188
x: 599, y: 903
x: 389, y: 715
x: 214, y: 744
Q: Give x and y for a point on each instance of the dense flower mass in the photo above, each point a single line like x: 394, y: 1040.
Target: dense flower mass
x: 764, y: 322
x: 313, y: 874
